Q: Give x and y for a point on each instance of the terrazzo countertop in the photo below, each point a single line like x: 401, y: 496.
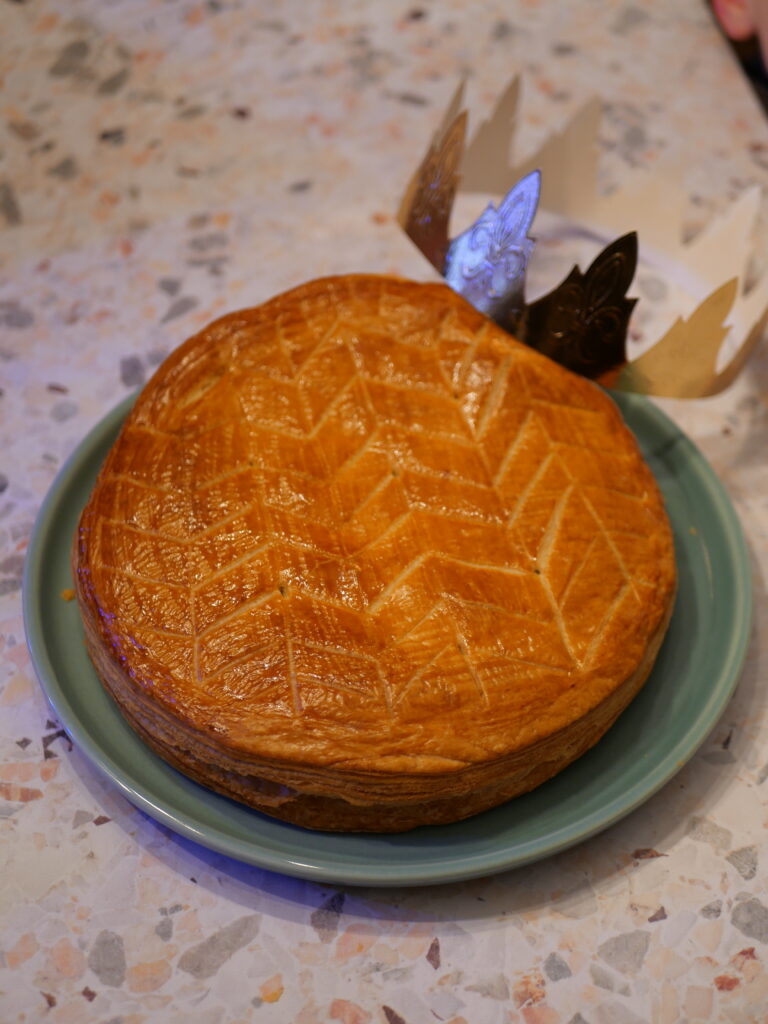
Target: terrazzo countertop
x: 162, y: 162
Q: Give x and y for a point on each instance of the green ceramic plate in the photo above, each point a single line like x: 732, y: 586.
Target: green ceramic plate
x: 694, y: 676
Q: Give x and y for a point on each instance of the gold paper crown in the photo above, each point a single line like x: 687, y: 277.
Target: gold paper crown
x: 583, y: 322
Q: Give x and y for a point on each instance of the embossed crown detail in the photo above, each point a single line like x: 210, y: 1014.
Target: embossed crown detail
x: 487, y: 262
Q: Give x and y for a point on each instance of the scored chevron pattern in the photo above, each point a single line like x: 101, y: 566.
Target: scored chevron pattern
x: 362, y: 507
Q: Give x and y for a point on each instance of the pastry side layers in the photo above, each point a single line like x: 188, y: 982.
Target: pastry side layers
x: 358, y: 550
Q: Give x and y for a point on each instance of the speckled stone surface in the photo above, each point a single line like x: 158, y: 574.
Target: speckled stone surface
x: 162, y: 162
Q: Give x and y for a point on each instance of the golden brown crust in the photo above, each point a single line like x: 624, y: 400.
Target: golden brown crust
x: 361, y: 560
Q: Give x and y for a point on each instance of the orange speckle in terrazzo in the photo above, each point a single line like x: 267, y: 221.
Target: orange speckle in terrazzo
x: 755, y: 990
x: 149, y: 891
x: 194, y: 16
x: 743, y: 956
x: 149, y: 976
x: 747, y: 963
x: 310, y: 953
x: 25, y: 948
x: 384, y: 954
x: 100, y: 315
x: 705, y: 962
x: 144, y: 56
x: 726, y: 983
x: 416, y: 943
x: 529, y: 989
x: 271, y: 990
x: 19, y: 794
x: 49, y: 769
x: 414, y: 947
x: 310, y: 1014
x: 348, y: 1013
x: 67, y: 960
x: 752, y: 970
x: 540, y: 1015
x: 394, y: 132
x: 669, y: 1006
x: 46, y: 23
x: 357, y: 939
x: 22, y: 771
x: 107, y: 201
x: 698, y: 1001
x: 708, y: 934
x: 188, y: 923
x: 71, y: 1012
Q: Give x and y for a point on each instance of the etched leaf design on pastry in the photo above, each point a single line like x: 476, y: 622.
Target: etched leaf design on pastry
x: 361, y: 508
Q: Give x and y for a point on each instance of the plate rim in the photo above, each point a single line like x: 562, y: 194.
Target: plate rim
x: 454, y: 867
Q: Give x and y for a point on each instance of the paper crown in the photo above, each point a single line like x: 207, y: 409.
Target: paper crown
x: 583, y: 322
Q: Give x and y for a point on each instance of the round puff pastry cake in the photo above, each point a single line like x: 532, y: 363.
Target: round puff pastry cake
x: 364, y: 562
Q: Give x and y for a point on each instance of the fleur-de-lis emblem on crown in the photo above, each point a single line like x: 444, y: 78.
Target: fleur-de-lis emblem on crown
x: 583, y: 322
x: 487, y: 262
